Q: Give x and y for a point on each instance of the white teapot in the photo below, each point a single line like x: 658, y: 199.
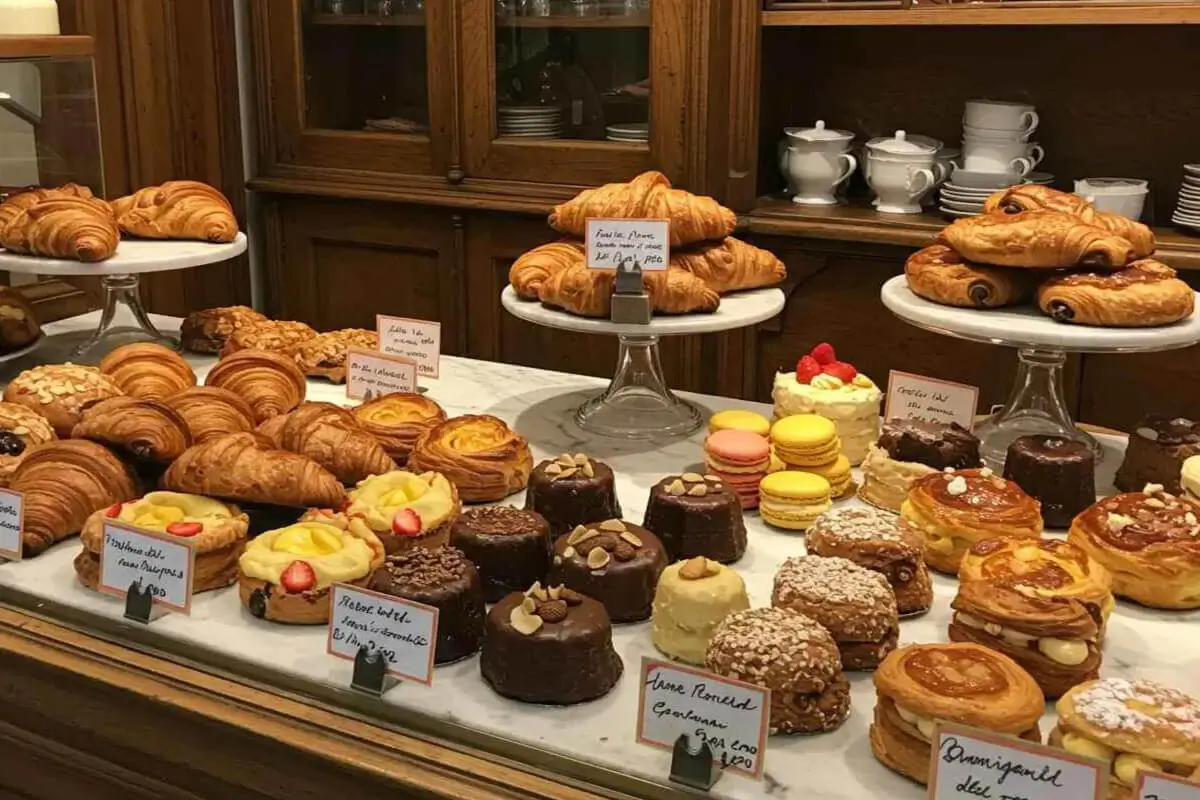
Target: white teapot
x: 901, y: 171
x: 815, y: 161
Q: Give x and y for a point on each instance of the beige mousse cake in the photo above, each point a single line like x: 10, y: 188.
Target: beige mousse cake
x: 692, y: 598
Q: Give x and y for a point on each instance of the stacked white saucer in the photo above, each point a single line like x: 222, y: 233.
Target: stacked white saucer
x: 628, y: 132
x: 1187, y: 210
x: 530, y: 122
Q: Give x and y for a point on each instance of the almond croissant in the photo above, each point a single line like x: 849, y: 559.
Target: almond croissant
x: 63, y: 227
x: 588, y: 292
x: 332, y: 437
x: 177, y: 210
x: 271, y: 383
x: 148, y: 370
x: 147, y: 430
x: 211, y: 412
x: 1036, y: 240
x: 1032, y: 197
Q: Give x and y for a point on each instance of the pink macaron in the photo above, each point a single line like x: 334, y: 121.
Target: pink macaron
x: 740, y: 459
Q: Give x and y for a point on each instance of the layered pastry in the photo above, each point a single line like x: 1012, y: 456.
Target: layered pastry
x: 837, y: 391
x: 571, y: 490
x: 856, y: 605
x: 60, y: 392
x: 217, y: 533
x: 206, y: 331
x: 1036, y: 239
x: 143, y: 430
x: 284, y: 337
x: 789, y: 654
x: 447, y: 580
x: 737, y: 419
x: 20, y: 431
x: 802, y: 441
x: 287, y: 426
x: 1132, y: 726
x: 1156, y: 451
x: 526, y: 631
x: 405, y: 510
x: 1145, y: 294
x: 72, y: 228
x: 484, y: 458
x: 908, y: 450
x: 1189, y: 477
x: 1058, y: 472
x: 148, y: 370
x: 696, y: 515
x: 880, y: 542
x: 211, y: 412
x: 1031, y: 197
x: 398, y: 420
x: 953, y: 510
x: 271, y: 384
x: 921, y: 685
x: 940, y: 275
x: 614, y: 562
x: 285, y: 575
x: 1149, y: 541
x: 331, y: 436
x: 793, y: 500
x: 694, y: 597
x: 740, y: 460
x: 177, y: 210
x: 510, y: 546
x: 324, y: 355
x: 18, y: 325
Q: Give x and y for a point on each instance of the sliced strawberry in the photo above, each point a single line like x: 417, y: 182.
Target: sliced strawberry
x: 406, y: 523
x: 184, y: 529
x: 824, y: 354
x: 113, y: 510
x: 807, y: 369
x: 298, y: 577
x: 842, y: 370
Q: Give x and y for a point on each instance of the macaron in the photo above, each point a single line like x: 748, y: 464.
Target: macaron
x: 838, y: 475
x: 739, y: 419
x: 740, y: 459
x: 806, y: 440
x: 793, y: 500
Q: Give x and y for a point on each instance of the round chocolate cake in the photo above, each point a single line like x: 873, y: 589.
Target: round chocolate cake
x: 510, y: 547
x: 613, y: 561
x: 572, y: 490
x: 549, y: 646
x: 696, y: 515
x: 1157, y: 449
x: 1058, y: 472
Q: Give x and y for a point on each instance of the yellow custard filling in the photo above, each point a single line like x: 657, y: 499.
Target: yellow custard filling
x: 1124, y: 766
x: 157, y: 510
x: 927, y: 726
x: 1068, y: 652
x: 379, y: 497
x: 334, y: 554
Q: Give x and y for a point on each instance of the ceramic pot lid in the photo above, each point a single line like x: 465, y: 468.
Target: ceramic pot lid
x: 900, y: 145
x: 819, y: 133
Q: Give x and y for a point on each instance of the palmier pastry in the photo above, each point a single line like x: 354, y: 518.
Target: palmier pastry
x: 211, y: 412
x: 791, y: 655
x: 63, y: 227
x: 206, y: 331
x: 407, y: 511
x: 285, y: 575
x: 1149, y: 541
x: 177, y: 210
x: 59, y: 392
x: 940, y: 275
x: 1036, y: 240
x: 615, y: 562
x: 146, y: 430
x: 397, y: 420
x: 693, y: 597
x: 919, y: 685
x: 20, y: 431
x: 1132, y: 726
x: 332, y: 437
x: 284, y: 337
x: 1032, y: 196
x: 324, y: 355
x: 484, y: 458
x: 1156, y: 451
x: 571, y: 490
x: 270, y: 383
x: 18, y: 325
x: 216, y: 530
x: 1058, y: 472
x: 954, y: 509
x: 148, y: 370
x: 1145, y: 294
x: 908, y: 450
x: 880, y: 542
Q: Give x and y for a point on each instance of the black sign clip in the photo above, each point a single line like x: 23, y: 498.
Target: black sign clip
x: 694, y: 767
x: 370, y: 672
x: 139, y: 602
x: 630, y: 301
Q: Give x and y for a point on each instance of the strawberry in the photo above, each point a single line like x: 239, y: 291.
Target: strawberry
x: 824, y: 354
x: 298, y: 577
x: 842, y: 370
x: 807, y: 369
x: 113, y: 510
x: 406, y: 523
x: 184, y: 529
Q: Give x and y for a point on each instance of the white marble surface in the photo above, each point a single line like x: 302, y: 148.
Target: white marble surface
x: 132, y: 256
x: 836, y: 766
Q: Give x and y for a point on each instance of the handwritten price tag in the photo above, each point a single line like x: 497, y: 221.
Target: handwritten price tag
x: 646, y: 242
x: 1155, y: 786
x: 930, y: 400
x: 404, y: 632
x: 969, y: 763
x: 12, y: 518
x: 370, y: 374
x: 417, y: 340
x: 156, y: 561
x: 732, y: 716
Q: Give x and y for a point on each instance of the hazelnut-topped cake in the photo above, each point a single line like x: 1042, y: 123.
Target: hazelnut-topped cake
x: 616, y: 562
x: 572, y: 489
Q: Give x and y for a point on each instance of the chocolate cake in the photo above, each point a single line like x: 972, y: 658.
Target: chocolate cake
x: 1058, y: 472
x: 696, y: 515
x: 549, y: 646
x: 613, y: 561
x: 510, y: 547
x: 445, y: 579
x: 572, y: 490
x: 932, y: 444
x: 1156, y: 452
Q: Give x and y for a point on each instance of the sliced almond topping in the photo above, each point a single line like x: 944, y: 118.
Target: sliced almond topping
x: 718, y: 486
x: 555, y: 592
x: 699, y: 490
x: 598, y: 558
x: 676, y: 488
x: 694, y: 569
x: 614, y: 525
x: 581, y: 459
x: 576, y: 535
x: 533, y: 590
x: 524, y: 623
x: 569, y: 552
x: 21, y: 430
x: 566, y: 473
x: 711, y: 478
x: 711, y: 567
x: 553, y: 469
x: 540, y: 594
x: 529, y: 605
x: 632, y: 538
x: 692, y: 477
x: 588, y: 534
x: 566, y: 458
x: 588, y: 470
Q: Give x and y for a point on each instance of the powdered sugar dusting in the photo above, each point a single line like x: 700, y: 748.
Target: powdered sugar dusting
x: 859, y: 524
x: 1119, y: 705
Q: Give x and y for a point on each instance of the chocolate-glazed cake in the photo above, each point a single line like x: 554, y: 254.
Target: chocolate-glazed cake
x: 572, y: 490
x: 1156, y: 452
x: 696, y: 515
x: 932, y: 444
x: 1059, y: 472
x: 510, y: 547
x: 445, y: 579
x: 549, y: 645
x: 613, y: 561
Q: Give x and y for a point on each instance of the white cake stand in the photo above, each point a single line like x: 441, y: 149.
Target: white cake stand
x: 638, y: 404
x: 1036, y: 404
x: 119, y: 277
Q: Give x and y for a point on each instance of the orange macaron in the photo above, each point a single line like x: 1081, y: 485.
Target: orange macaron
x: 740, y: 459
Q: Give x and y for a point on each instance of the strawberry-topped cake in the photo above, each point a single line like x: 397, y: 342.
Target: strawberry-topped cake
x: 821, y: 384
x: 406, y: 510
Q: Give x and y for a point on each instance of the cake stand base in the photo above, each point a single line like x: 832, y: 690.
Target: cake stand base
x: 123, y: 319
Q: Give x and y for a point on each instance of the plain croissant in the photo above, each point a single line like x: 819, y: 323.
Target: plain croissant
x: 1033, y: 197
x: 11, y: 208
x: 177, y: 210
x: 1036, y: 240
x: 270, y: 383
x: 331, y: 436
x: 211, y: 412
x: 63, y: 227
x: 588, y: 292
x: 731, y: 266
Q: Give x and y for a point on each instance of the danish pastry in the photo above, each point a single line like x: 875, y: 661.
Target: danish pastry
x: 1032, y: 197
x: 20, y: 431
x: 324, y: 355
x: 406, y: 511
x: 1145, y: 294
x: 484, y: 458
x: 59, y: 392
x: 206, y: 331
x: 284, y: 337
x: 148, y: 370
x: 177, y: 210
x: 146, y: 430
x: 1036, y: 240
x: 210, y: 412
x: 332, y: 437
x: 398, y: 420
x: 940, y: 275
x: 270, y: 383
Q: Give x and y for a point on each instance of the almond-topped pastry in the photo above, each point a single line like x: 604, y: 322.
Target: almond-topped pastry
x: 406, y: 510
x: 277, y: 336
x: 572, y: 489
x: 59, y: 392
x: 616, y: 562
x: 694, y: 597
x: 20, y: 430
x: 206, y: 331
x: 397, y: 420
x: 484, y: 458
x: 324, y: 355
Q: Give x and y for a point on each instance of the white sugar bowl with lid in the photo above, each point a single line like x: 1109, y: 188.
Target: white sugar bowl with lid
x: 819, y: 137
x: 901, y: 171
x: 815, y: 161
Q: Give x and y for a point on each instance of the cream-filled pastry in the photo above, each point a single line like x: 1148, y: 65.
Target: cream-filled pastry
x: 406, y: 510
x: 908, y: 450
x: 693, y: 597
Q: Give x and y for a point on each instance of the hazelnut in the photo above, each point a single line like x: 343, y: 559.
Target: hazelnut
x: 699, y: 490
x: 692, y: 477
x: 694, y: 569
x: 623, y: 552
x: 676, y: 488
x: 554, y: 611
x: 553, y: 469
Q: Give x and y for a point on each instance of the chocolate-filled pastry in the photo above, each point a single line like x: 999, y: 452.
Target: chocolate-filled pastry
x: 148, y: 370
x: 526, y: 631
x: 211, y: 412
x: 1032, y: 196
x: 445, y: 579
x: 331, y: 436
x: 571, y: 490
x: 940, y: 275
x: 613, y: 561
x: 397, y: 420
x: 270, y: 383
x: 150, y: 433
x: 60, y: 392
x: 1036, y: 240
x: 324, y: 355
x: 406, y: 511
x: 1145, y: 294
x: 20, y: 431
x: 18, y: 325
x: 1058, y: 472
x: 277, y: 336
x: 908, y: 450
x: 478, y: 453
x: 696, y: 515
x: 510, y: 546
x: 1156, y: 451
x: 206, y: 331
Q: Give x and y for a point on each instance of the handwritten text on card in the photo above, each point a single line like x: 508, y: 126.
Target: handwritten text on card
x: 930, y: 400
x: 369, y: 375
x: 12, y: 505
x: 161, y: 563
x: 417, y: 340
x: 976, y: 765
x: 403, y: 632
x: 1164, y: 787
x: 645, y: 242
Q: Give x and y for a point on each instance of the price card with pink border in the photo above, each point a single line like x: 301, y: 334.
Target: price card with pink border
x: 12, y: 518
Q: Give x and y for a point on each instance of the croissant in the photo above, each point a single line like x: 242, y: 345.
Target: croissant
x: 332, y: 437
x: 1032, y: 197
x: 588, y: 292
x: 177, y: 210
x: 148, y: 370
x: 732, y: 266
x: 63, y: 482
x: 1036, y: 240
x: 303, y: 415
x: 529, y: 272
x: 241, y: 466
x: 941, y: 275
x: 648, y: 196
x: 63, y: 227
x: 210, y: 411
x: 22, y: 430
x: 148, y: 430
x: 11, y: 208
x: 271, y: 383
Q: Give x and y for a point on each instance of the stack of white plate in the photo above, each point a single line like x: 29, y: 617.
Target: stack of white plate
x: 530, y: 122
x: 629, y: 132
x: 1187, y: 211
x: 963, y: 193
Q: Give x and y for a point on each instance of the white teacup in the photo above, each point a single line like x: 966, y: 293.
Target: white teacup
x: 1124, y: 196
x: 972, y: 132
x: 814, y: 175
x: 992, y: 155
x: 1001, y: 115
x: 898, y: 185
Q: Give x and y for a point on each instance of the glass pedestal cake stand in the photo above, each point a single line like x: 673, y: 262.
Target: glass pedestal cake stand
x: 1036, y: 403
x: 638, y: 404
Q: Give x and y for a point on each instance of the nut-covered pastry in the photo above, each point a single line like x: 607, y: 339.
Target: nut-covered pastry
x: 406, y: 511
x: 18, y: 325
x: 1157, y: 449
x: 694, y: 597
x: 855, y: 604
x: 270, y: 383
x: 1058, y: 472
x: 331, y: 436
x: 478, y: 453
x: 59, y: 392
x: 1149, y: 541
x: 276, y: 336
x: 572, y: 489
x: 697, y: 515
x: 20, y: 430
x: 324, y: 355
x: 144, y: 430
x: 206, y: 331
x: 954, y: 509
x: 148, y: 370
x: 919, y: 685
x: 1189, y: 478
x: 398, y: 420
x: 211, y: 412
x: 613, y: 561
x: 791, y: 655
x: 510, y: 546
x: 1145, y: 294
x: 908, y: 450
x: 881, y: 542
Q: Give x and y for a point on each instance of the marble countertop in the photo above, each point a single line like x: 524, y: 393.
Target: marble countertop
x: 833, y: 766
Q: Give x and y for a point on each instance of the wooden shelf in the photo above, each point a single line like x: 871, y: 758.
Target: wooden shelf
x: 564, y: 21
x: 1016, y: 13
x: 21, y: 47
x: 369, y: 20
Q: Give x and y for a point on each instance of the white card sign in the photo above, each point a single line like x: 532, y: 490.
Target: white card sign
x: 970, y: 764
x: 370, y: 374
x: 732, y: 716
x: 417, y: 340
x: 646, y: 242
x: 930, y: 400
x: 1156, y: 786
x: 403, y: 632
x: 12, y: 518
x: 161, y: 563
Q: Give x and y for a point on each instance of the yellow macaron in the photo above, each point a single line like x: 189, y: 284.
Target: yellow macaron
x: 739, y: 419
x: 806, y: 440
x: 837, y: 472
x: 793, y: 500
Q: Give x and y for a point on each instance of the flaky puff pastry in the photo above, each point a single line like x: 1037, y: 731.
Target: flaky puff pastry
x: 177, y: 210
x: 954, y: 510
x: 148, y: 370
x: 1145, y: 294
x: 210, y: 412
x: 1032, y: 197
x: 278, y: 336
x: 60, y: 392
x: 398, y: 420
x: 12, y: 207
x: 1150, y: 542
x: 963, y: 683
x: 731, y: 265
x: 28, y: 428
x: 484, y: 458
x: 270, y: 383
x: 1044, y: 567
x: 1036, y: 240
x: 146, y: 430
x: 206, y: 331
x: 332, y: 437
x: 324, y: 355
x: 70, y: 228
x: 588, y: 292
x: 940, y: 275
x: 534, y: 267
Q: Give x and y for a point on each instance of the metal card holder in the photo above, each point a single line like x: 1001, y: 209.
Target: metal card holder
x: 139, y: 603
x: 630, y: 302
x: 370, y: 673
x: 695, y: 769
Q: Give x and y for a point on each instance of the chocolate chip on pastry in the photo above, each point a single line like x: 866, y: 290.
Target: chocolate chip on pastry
x: 397, y: 420
x: 615, y: 562
x: 270, y: 383
x: 60, y: 392
x: 20, y: 431
x: 324, y: 355
x: 572, y: 489
x: 148, y: 370
x: 478, y: 453
x: 206, y: 331
x: 940, y: 275
x: 277, y: 336
x: 510, y: 546
x: 1145, y: 294
x: 1156, y: 451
